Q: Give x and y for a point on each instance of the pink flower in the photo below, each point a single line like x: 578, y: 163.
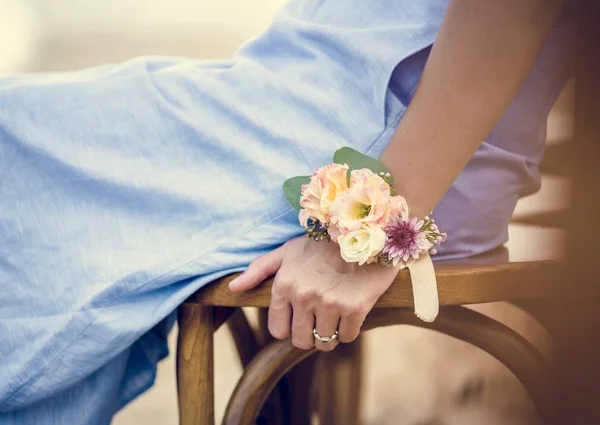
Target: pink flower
x: 366, y: 202
x: 334, y: 232
x: 325, y: 186
x: 360, y: 176
x: 399, y: 205
x: 405, y: 240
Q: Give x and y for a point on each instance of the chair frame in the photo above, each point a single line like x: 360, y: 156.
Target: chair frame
x: 481, y: 279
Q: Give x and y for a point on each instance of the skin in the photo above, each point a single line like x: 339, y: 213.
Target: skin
x: 481, y: 56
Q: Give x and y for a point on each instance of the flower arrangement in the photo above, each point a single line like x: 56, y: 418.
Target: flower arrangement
x: 353, y: 203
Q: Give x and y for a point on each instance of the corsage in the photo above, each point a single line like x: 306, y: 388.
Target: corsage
x: 353, y: 203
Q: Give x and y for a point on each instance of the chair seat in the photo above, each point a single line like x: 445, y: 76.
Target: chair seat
x: 520, y: 271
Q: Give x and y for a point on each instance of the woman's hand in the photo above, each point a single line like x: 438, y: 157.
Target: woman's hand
x: 315, y: 288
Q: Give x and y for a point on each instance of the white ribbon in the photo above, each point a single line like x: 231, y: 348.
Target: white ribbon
x: 424, y: 286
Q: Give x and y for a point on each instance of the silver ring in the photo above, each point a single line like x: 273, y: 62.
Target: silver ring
x: 325, y: 339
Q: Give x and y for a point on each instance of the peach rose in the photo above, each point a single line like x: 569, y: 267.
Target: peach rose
x: 334, y: 232
x: 366, y: 202
x: 326, y: 185
x: 360, y: 176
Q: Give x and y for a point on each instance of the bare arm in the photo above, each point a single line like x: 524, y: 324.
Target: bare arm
x: 481, y: 56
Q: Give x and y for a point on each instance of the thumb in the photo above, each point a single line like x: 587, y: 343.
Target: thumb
x: 259, y: 269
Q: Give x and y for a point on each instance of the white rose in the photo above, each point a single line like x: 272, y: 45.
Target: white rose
x: 361, y: 245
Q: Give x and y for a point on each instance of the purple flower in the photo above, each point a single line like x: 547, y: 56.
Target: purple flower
x: 405, y: 239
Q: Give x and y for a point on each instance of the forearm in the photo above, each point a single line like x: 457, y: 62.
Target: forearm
x: 481, y: 56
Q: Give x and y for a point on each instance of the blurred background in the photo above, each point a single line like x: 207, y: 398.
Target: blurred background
x: 52, y: 35
x: 412, y: 376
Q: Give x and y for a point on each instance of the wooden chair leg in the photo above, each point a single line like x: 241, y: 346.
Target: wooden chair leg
x: 339, y: 374
x: 244, y: 337
x: 337, y: 389
x: 263, y: 327
x: 296, y: 389
x: 248, y: 344
x: 195, y: 367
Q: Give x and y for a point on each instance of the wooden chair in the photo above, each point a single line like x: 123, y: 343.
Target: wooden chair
x: 520, y: 275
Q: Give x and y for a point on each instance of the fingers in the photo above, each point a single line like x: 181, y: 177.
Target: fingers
x: 280, y: 317
x: 308, y: 307
x: 258, y: 270
x: 326, y: 325
x: 303, y: 322
x: 350, y: 327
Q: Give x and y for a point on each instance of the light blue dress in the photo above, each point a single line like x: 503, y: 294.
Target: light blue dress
x: 124, y: 189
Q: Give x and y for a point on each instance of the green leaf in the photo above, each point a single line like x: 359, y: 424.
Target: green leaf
x: 357, y: 161
x: 292, y: 190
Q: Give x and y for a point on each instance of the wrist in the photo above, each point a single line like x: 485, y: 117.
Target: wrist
x: 355, y: 203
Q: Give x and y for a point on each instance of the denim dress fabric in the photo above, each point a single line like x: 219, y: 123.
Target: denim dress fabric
x: 124, y: 189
